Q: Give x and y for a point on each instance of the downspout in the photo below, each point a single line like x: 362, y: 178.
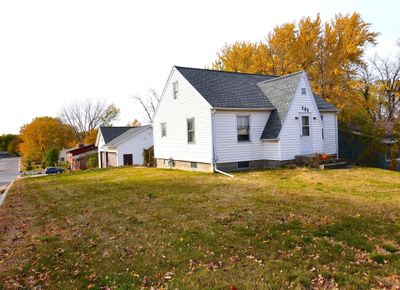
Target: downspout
x: 337, y: 136
x: 214, y: 161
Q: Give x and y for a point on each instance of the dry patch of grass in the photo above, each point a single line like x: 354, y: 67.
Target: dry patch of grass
x: 131, y: 228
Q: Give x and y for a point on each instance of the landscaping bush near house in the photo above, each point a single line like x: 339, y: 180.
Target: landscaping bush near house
x: 92, y: 161
x: 148, y: 157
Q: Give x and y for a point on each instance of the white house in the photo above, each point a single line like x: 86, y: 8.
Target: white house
x: 209, y: 119
x: 121, y: 146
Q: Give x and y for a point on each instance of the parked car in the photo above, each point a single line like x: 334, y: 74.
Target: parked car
x: 53, y: 170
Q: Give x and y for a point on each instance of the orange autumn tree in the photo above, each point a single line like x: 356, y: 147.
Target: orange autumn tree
x: 328, y: 52
x: 43, y: 134
x: 90, y: 136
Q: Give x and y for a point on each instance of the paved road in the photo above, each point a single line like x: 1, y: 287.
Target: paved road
x: 8, y: 169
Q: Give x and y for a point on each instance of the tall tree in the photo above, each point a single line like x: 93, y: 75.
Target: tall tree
x: 328, y: 53
x: 42, y: 134
x: 5, y: 140
x: 84, y: 116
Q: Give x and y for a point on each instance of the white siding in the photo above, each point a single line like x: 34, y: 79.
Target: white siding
x: 189, y: 104
x: 99, y: 148
x: 290, y: 135
x: 135, y: 145
x: 329, y: 121
x: 227, y: 147
x: 272, y: 150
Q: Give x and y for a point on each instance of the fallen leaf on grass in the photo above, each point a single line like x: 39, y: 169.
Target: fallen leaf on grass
x: 214, y: 266
x: 255, y: 259
x: 168, y: 275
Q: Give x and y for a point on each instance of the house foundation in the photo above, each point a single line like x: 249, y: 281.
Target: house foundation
x: 226, y: 166
x: 184, y: 165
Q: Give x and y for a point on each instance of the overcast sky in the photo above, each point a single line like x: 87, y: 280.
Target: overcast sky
x: 55, y: 52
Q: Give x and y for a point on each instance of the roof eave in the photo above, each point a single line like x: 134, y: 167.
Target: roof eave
x: 242, y: 109
x: 329, y: 110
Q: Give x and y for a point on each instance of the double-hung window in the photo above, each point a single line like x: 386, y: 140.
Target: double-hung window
x: 163, y: 129
x: 243, y: 128
x: 175, y: 89
x: 305, y: 128
x: 190, y: 130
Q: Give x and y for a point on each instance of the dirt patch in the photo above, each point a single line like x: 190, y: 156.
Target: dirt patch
x: 16, y: 229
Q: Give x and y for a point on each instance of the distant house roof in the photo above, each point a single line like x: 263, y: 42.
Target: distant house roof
x: 128, y: 133
x: 115, y: 134
x: 82, y: 149
x: 110, y: 133
x: 235, y: 90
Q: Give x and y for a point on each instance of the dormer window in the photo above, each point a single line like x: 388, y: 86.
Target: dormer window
x: 303, y: 91
x: 175, y: 89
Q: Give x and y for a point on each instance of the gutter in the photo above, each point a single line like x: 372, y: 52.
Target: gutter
x: 241, y: 109
x: 214, y: 161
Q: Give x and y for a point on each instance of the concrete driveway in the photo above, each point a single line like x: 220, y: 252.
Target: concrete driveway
x: 8, y: 169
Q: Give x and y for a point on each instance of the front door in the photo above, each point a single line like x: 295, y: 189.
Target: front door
x: 305, y: 134
x: 128, y: 160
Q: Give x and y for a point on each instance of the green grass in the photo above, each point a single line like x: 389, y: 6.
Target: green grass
x: 129, y: 228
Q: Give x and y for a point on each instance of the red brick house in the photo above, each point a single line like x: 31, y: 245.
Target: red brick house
x: 77, y: 157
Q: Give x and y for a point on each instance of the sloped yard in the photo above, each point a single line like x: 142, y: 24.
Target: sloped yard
x: 131, y: 228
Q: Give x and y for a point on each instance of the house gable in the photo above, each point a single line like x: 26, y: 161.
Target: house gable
x: 280, y: 91
x: 174, y: 113
x: 290, y: 135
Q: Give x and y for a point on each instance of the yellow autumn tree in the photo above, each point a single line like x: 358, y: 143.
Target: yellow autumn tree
x: 43, y: 134
x: 327, y: 52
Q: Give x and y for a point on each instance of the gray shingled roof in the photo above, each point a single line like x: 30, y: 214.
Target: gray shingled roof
x: 128, y: 133
x: 228, y: 89
x: 280, y: 92
x: 110, y: 133
x: 324, y: 105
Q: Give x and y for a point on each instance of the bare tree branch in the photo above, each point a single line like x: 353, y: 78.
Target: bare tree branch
x: 84, y: 116
x: 148, y: 102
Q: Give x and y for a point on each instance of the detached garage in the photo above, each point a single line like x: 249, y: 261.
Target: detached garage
x: 123, y: 146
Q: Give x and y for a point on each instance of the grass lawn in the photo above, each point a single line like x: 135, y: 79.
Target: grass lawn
x: 130, y: 228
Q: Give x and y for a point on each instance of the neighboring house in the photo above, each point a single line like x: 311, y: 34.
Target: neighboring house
x: 62, y: 155
x: 122, y: 146
x: 210, y: 119
x: 77, y: 157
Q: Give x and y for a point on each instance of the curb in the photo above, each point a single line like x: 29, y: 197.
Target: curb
x: 4, y: 195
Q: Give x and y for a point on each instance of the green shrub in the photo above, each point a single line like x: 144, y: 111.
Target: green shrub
x: 93, y: 161
x: 148, y: 157
x: 51, y: 157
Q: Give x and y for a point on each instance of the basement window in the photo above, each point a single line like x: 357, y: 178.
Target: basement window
x: 193, y: 164
x: 243, y: 164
